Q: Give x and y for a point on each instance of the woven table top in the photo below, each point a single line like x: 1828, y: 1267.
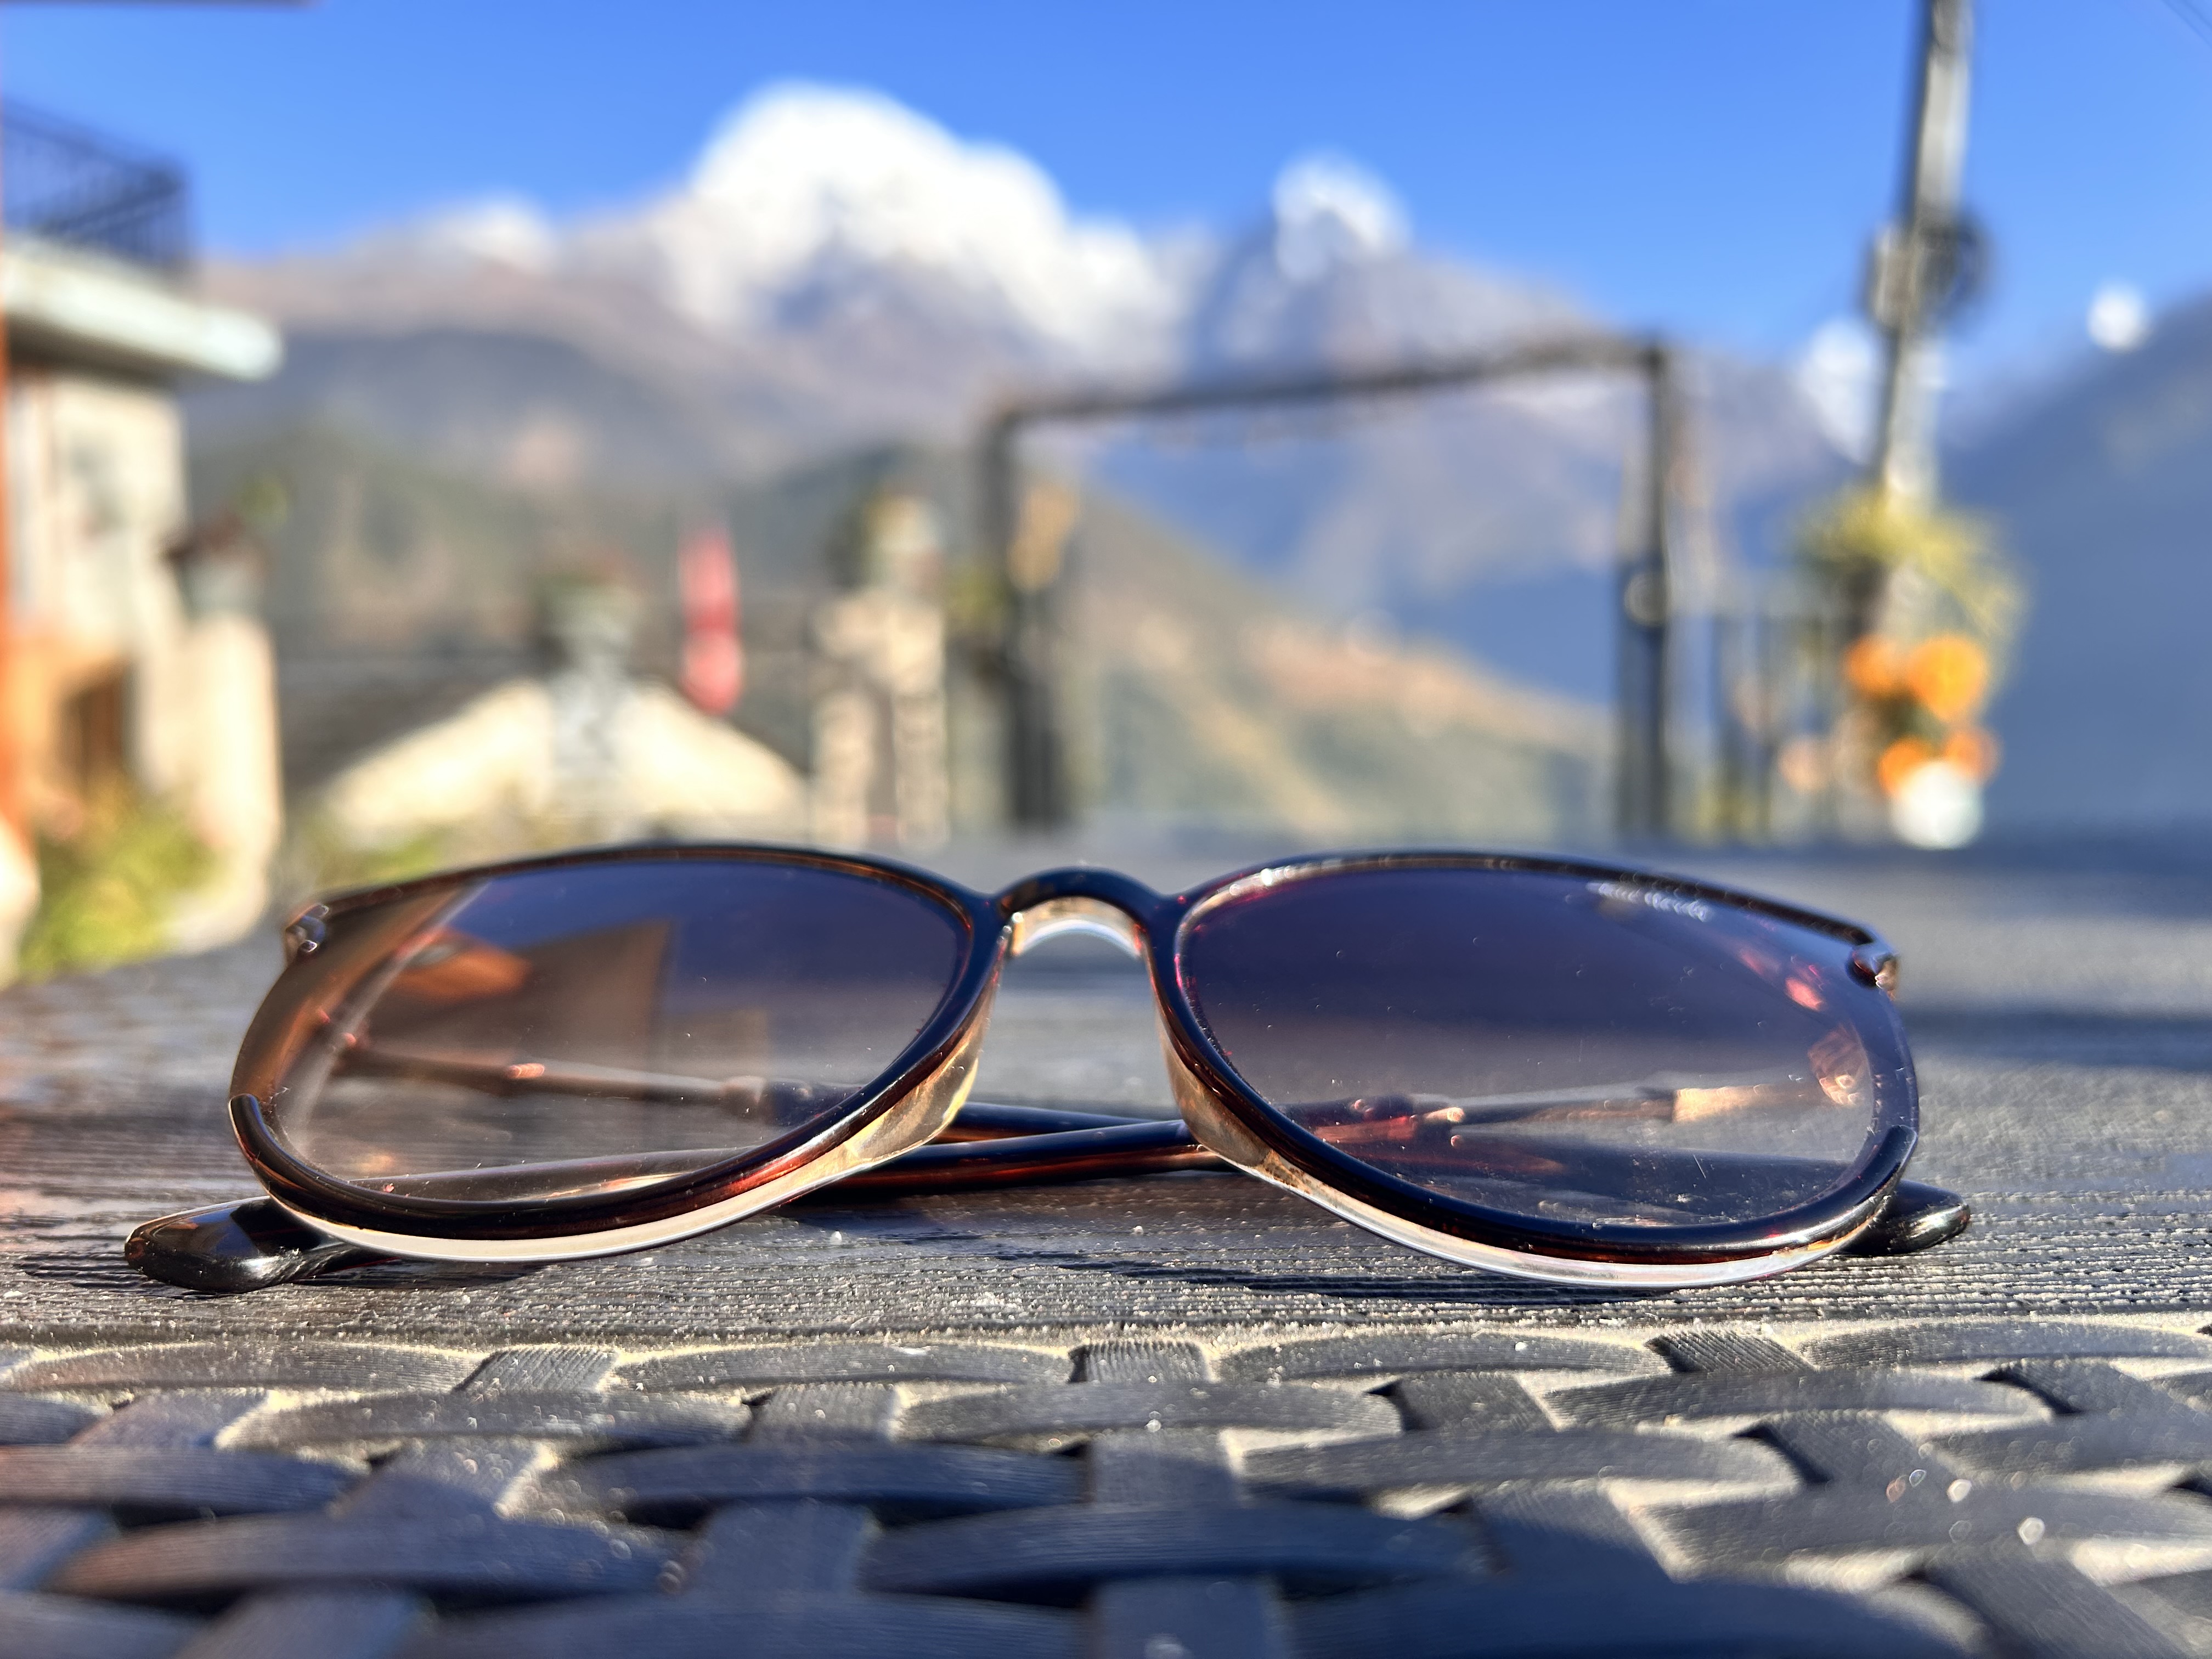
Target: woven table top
x: 1185, y: 1417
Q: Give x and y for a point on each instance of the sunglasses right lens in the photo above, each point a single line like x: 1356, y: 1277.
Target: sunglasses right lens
x: 577, y: 1028
x: 1550, y: 1046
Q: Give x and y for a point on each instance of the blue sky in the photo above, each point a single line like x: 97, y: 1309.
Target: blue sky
x: 1709, y: 166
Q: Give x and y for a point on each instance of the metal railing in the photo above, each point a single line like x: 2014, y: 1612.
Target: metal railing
x: 69, y: 184
x: 1025, y: 659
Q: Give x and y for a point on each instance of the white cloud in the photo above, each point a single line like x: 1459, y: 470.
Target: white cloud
x: 808, y: 201
x: 503, y: 230
x: 1840, y: 373
x: 2119, y: 317
x: 1328, y: 208
x: 803, y: 179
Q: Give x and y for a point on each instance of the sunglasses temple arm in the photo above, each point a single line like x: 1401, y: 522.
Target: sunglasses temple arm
x: 246, y: 1245
x: 1918, y: 1218
x: 978, y: 1120
x: 252, y: 1243
x: 1141, y: 1146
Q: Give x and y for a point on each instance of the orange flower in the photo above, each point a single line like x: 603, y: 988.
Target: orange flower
x: 1874, y: 668
x: 1900, y: 761
x: 1949, y: 674
x: 1974, y: 751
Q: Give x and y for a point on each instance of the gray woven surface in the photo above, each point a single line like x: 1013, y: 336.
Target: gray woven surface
x: 1183, y: 1417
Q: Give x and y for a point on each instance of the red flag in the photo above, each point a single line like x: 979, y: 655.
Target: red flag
x: 714, y: 658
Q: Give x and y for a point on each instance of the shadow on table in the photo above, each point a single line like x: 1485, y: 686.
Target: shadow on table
x: 2174, y: 1043
x: 433, y: 1276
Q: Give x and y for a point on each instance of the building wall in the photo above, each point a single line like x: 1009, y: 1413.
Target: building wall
x: 95, y: 495
x: 115, y: 683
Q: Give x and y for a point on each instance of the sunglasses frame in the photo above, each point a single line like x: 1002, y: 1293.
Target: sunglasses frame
x: 919, y: 1095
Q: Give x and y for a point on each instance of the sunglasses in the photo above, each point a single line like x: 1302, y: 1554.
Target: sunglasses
x: 1542, y: 1068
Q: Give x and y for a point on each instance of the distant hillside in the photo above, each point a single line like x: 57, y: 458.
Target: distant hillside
x: 396, y: 588
x: 399, y: 589
x: 2104, y: 487
x: 1197, y: 695
x: 1210, y: 702
x: 531, y: 411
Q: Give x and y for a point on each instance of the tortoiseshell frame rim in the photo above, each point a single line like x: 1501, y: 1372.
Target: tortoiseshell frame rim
x: 1230, y: 1118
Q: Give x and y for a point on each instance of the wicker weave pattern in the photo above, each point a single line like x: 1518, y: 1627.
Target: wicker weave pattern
x: 1979, y: 1486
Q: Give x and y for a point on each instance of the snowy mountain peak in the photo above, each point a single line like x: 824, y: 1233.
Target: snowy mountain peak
x: 498, y: 230
x: 835, y: 221
x: 802, y: 183
x: 1329, y: 210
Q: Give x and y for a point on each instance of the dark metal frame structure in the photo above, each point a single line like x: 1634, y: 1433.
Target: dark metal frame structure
x: 1026, y: 660
x: 340, y: 945
x: 69, y: 183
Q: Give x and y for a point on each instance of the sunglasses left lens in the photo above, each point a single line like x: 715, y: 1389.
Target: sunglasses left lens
x: 581, y: 1029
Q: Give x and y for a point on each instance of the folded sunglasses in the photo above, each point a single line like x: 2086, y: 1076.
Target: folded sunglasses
x: 1542, y: 1068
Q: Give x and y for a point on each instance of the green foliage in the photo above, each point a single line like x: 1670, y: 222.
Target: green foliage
x: 319, y: 858
x: 106, y: 893
x: 262, y: 503
x: 1944, y: 568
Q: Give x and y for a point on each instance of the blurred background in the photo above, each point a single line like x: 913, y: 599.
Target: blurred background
x: 438, y: 433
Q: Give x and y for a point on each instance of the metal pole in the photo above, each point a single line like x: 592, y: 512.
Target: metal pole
x: 1643, y: 806
x: 1766, y: 735
x: 1916, y: 261
x: 1731, y: 731
x: 1037, y: 791
x: 18, y: 843
x: 12, y: 819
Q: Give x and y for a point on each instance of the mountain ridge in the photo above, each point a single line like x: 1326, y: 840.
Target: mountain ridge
x: 2102, y: 488
x: 796, y: 295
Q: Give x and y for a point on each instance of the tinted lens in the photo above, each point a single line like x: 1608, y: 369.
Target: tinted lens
x: 1550, y: 1046
x: 646, y: 1017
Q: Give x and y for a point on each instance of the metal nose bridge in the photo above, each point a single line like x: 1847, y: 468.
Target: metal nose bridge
x: 1095, y: 917
x: 1098, y: 903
